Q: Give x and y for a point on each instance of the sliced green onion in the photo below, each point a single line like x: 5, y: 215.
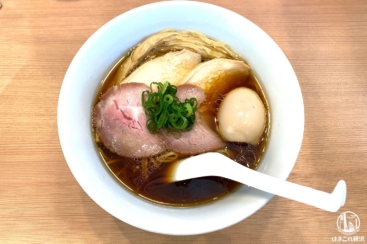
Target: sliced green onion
x: 168, y: 99
x: 165, y: 111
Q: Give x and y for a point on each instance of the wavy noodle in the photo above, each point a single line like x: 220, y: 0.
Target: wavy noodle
x: 148, y: 165
x: 119, y: 172
x: 167, y: 157
x: 145, y: 167
x: 117, y: 160
x: 173, y: 40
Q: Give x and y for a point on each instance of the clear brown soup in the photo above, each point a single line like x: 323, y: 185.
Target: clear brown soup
x: 128, y: 171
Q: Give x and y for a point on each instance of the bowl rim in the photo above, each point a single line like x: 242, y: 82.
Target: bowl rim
x: 66, y: 139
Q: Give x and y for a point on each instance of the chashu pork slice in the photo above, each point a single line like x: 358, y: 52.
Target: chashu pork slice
x: 120, y: 122
x: 171, y: 67
x: 207, y: 74
x: 200, y: 138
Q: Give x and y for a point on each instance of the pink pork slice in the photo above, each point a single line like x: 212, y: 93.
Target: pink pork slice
x: 200, y: 138
x: 120, y: 122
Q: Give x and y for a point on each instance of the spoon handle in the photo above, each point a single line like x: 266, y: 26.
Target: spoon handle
x: 215, y: 164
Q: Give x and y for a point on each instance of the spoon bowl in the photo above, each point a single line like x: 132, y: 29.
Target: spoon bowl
x: 216, y: 164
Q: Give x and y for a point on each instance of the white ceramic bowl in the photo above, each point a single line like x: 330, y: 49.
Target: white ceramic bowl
x: 99, y: 54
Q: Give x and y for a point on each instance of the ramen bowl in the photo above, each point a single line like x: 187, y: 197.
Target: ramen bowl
x: 106, y: 46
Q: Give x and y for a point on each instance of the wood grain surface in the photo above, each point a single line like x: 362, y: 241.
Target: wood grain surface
x: 40, y: 200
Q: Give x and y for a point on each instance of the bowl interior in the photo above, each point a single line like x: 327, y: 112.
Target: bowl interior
x: 103, y: 49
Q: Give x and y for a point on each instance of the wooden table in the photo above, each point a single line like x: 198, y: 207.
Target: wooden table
x: 41, y: 202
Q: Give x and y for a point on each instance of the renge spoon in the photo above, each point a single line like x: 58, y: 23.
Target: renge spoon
x: 216, y: 164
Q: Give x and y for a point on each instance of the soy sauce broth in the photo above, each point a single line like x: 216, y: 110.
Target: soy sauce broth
x: 128, y: 171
